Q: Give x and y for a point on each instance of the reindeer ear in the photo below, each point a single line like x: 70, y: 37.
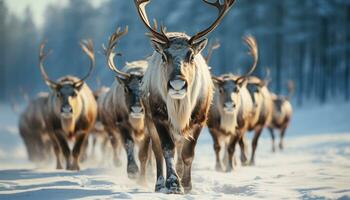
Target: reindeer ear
x: 199, y: 45
x: 263, y: 83
x: 158, y: 45
x: 122, y: 79
x: 242, y: 82
x: 78, y: 85
x: 52, y: 86
x: 216, y: 80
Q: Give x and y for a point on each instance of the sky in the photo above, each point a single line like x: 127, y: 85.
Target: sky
x: 38, y: 7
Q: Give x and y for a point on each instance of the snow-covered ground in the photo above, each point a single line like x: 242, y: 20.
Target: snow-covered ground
x: 314, y: 165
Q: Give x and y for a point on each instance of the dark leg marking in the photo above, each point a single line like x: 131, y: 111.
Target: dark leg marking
x: 215, y: 135
x: 272, y: 139
x: 255, y: 140
x: 188, y: 156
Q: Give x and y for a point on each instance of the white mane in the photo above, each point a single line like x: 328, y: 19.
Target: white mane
x: 179, y: 111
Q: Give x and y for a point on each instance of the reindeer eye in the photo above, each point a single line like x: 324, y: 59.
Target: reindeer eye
x: 190, y: 56
x: 221, y: 90
x: 126, y: 90
x: 164, y: 58
x: 58, y: 95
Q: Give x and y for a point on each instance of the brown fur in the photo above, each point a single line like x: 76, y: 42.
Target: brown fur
x: 75, y: 128
x: 182, y: 119
x: 117, y: 119
x: 262, y: 113
x: 178, y: 81
x: 33, y: 130
x: 239, y: 120
x: 282, y: 113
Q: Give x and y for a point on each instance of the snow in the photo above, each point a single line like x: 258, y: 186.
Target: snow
x: 314, y: 165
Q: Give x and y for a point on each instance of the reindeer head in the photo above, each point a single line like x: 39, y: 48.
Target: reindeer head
x: 67, y: 88
x: 132, y: 91
x: 179, y: 51
x: 228, y: 90
x: 229, y: 86
x: 131, y: 81
x: 256, y: 84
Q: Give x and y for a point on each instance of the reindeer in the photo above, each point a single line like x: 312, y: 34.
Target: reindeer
x: 262, y: 109
x: 282, y: 113
x: 121, y: 109
x: 231, y: 111
x: 177, y: 91
x: 33, y: 131
x: 71, y: 110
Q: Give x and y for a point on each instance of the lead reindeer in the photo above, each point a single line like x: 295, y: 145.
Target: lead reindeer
x: 71, y: 111
x: 122, y: 111
x: 282, y: 113
x: 177, y: 91
x: 231, y: 111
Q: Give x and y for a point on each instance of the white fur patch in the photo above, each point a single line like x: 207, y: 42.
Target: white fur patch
x: 229, y: 122
x: 179, y: 109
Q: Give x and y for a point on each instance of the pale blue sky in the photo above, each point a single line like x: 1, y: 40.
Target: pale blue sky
x: 38, y: 7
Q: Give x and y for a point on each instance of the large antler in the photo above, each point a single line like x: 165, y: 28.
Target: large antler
x: 141, y: 10
x: 253, y: 51
x: 223, y: 9
x: 88, y: 48
x: 213, y: 46
x: 109, y: 52
x: 42, y: 56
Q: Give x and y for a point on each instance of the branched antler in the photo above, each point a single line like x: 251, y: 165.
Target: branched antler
x: 88, y: 48
x: 110, y: 53
x: 253, y: 51
x: 223, y: 9
x: 42, y: 56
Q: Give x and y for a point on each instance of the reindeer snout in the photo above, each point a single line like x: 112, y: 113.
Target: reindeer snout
x: 136, y: 109
x: 177, y: 84
x: 229, y: 105
x: 177, y: 87
x: 66, y: 109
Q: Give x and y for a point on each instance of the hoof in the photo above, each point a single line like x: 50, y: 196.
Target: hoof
x: 117, y: 162
x: 74, y: 167
x: 229, y: 169
x: 252, y: 163
x: 133, y: 171
x: 244, y: 159
x: 187, y: 189
x: 246, y: 163
x: 142, y: 181
x: 273, y: 150
x: 173, y: 185
x: 218, y: 168
x: 281, y: 147
x: 84, y: 157
x: 187, y: 186
x: 175, y: 190
x: 160, y: 184
x: 59, y: 166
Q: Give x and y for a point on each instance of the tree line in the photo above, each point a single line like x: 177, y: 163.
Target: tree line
x: 307, y: 41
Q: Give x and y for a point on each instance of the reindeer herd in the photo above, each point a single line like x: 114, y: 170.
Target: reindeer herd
x: 159, y: 104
